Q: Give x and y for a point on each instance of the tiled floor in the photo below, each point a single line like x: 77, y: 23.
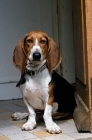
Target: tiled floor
x: 11, y: 130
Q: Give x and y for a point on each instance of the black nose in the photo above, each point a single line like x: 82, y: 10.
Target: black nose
x: 36, y: 56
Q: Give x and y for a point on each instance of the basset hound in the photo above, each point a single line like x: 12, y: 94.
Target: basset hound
x: 37, y: 57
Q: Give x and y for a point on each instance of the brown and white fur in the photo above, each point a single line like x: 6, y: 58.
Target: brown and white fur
x: 39, y: 89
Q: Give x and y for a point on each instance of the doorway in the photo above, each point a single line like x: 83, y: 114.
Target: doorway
x: 18, y: 18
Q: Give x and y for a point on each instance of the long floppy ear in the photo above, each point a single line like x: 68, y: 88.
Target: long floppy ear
x: 54, y: 57
x: 19, y: 58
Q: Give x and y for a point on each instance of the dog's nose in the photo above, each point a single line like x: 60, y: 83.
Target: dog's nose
x: 36, y: 56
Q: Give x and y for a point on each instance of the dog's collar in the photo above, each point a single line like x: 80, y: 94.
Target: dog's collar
x: 31, y: 72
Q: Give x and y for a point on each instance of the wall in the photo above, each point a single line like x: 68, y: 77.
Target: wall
x: 17, y: 17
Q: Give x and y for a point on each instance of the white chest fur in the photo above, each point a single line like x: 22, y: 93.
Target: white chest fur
x: 35, y: 89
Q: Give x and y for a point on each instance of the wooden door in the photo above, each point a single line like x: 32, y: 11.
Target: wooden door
x: 82, y: 25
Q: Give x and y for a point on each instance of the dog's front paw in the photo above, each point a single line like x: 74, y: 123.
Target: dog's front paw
x: 29, y: 126
x: 53, y: 129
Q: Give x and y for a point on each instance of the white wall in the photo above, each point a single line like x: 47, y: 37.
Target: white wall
x: 17, y: 17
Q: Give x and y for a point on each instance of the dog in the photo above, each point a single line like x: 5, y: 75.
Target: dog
x: 37, y: 57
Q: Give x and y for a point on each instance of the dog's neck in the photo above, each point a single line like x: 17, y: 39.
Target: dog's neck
x: 31, y: 72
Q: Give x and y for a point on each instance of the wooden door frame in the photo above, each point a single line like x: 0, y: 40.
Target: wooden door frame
x: 83, y: 112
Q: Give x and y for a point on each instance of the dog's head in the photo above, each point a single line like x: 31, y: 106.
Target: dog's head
x: 36, y: 47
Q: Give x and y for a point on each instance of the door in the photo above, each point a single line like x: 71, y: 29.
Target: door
x: 16, y: 19
x: 82, y: 23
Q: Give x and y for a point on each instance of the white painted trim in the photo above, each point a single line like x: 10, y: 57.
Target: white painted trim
x: 9, y: 80
x: 66, y: 39
x: 9, y: 91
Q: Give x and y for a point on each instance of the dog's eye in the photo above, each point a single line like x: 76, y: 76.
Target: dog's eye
x: 29, y: 40
x: 43, y: 41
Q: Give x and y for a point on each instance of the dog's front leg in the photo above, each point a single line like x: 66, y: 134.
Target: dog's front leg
x: 31, y: 123
x: 51, y: 126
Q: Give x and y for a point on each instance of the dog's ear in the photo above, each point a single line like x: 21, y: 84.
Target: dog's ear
x: 19, y: 58
x: 54, y: 57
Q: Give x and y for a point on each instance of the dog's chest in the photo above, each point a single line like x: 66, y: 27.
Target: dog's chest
x: 35, y: 90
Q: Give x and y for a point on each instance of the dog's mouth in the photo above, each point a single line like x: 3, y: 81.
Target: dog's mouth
x: 33, y: 63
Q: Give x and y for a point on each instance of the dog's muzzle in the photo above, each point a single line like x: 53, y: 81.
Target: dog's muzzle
x: 36, y: 56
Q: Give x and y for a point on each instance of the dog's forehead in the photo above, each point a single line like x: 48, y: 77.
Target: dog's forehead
x: 37, y: 34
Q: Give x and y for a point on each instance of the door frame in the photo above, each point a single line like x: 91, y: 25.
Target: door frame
x: 83, y: 112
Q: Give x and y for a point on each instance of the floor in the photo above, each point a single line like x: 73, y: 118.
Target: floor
x: 11, y: 130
